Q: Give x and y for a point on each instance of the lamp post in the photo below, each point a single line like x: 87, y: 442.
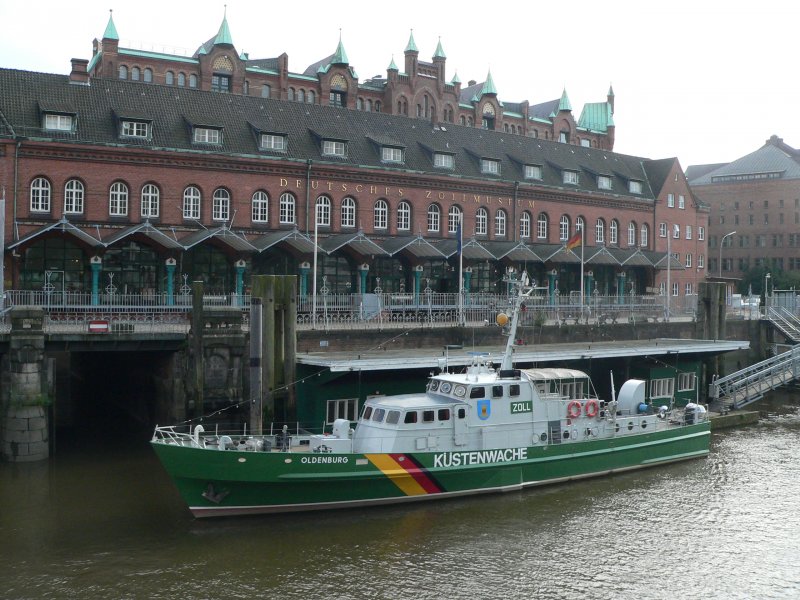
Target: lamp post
x: 766, y: 284
x: 721, y: 244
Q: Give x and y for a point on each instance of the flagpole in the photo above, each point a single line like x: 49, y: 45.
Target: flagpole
x: 314, y: 277
x: 582, y: 291
x: 461, y: 269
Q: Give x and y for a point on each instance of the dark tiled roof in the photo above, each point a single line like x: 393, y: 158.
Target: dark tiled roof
x: 269, y: 64
x: 775, y: 158
x: 544, y: 110
x: 173, y: 110
x: 658, y: 171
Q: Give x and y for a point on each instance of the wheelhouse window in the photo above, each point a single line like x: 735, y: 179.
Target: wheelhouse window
x: 59, y: 122
x: 443, y: 161
x: 191, y: 203
x: 136, y: 129
x: 206, y: 135
x: 533, y: 172
x: 333, y: 148
x: 391, y: 155
x: 272, y: 141
x: 41, y: 193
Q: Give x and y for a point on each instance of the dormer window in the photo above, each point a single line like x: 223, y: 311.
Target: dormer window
x: 273, y: 141
x: 635, y: 187
x: 206, y: 135
x: 604, y: 182
x: 533, y: 172
x: 135, y: 129
x: 392, y: 155
x: 59, y: 122
x: 490, y: 166
x: 570, y: 177
x: 333, y: 148
x: 443, y: 161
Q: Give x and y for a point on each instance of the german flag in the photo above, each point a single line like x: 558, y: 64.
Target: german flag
x: 573, y: 242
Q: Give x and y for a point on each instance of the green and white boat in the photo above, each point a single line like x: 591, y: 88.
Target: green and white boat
x: 484, y: 430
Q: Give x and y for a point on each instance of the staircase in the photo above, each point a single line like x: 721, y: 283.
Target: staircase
x: 785, y: 321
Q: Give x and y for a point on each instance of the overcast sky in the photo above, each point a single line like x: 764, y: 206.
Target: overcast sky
x: 705, y: 80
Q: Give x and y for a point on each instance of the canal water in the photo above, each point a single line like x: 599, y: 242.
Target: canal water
x: 101, y: 520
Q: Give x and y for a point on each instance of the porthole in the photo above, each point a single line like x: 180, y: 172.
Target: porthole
x: 543, y: 437
x: 616, y: 427
x: 460, y: 391
x: 644, y: 424
x: 566, y: 434
x: 445, y: 387
x: 630, y: 425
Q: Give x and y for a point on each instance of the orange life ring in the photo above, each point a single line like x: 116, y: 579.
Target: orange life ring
x: 591, y: 409
x: 574, y: 409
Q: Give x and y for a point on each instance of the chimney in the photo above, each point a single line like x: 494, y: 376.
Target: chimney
x: 79, y: 74
x: 471, y: 82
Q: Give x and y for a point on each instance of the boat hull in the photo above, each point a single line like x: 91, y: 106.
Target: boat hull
x: 230, y: 482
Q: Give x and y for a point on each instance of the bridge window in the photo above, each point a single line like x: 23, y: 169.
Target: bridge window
x: 513, y: 390
x: 367, y: 413
x: 497, y: 391
x: 428, y: 416
x: 411, y: 417
x: 377, y: 416
x: 393, y: 417
x: 444, y: 414
x: 477, y: 392
x: 462, y: 413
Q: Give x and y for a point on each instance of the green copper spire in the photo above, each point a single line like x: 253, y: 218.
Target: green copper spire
x: 392, y: 66
x: 488, y: 85
x: 456, y: 79
x: 224, y: 33
x: 439, y: 52
x: 564, y: 104
x: 111, y: 30
x: 411, y: 46
x: 340, y: 56
x: 610, y: 90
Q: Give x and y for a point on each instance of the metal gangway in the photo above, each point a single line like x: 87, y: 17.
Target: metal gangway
x: 785, y: 321
x: 750, y: 384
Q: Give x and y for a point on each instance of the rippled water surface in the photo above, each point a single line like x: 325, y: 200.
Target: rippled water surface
x: 108, y: 524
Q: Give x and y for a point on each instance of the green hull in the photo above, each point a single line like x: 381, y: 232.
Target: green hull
x: 230, y: 482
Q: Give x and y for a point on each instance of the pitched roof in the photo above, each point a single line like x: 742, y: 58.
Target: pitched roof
x: 172, y: 112
x: 774, y: 159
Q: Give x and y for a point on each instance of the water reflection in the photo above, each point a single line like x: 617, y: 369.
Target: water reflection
x: 109, y: 524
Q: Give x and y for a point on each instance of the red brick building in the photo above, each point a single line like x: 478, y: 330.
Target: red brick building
x: 141, y: 171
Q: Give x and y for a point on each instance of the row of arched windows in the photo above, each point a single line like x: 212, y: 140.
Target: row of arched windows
x: 368, y: 105
x: 301, y: 95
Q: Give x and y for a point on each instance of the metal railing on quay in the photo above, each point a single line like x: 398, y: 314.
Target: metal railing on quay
x: 103, y: 322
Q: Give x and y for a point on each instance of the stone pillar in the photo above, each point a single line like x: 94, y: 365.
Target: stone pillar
x: 551, y: 285
x: 170, y: 266
x: 621, y: 287
x: 588, y: 280
x: 96, y: 264
x: 24, y: 394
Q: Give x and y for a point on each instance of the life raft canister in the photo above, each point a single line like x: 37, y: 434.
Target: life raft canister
x: 592, y: 408
x: 574, y: 409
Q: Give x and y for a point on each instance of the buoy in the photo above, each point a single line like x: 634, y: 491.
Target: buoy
x: 502, y: 319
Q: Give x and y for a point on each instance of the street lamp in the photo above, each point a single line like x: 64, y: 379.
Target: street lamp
x: 766, y: 283
x: 721, y: 244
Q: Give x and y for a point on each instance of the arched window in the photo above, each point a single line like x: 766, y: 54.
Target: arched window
x: 191, y: 203
x: 631, y: 234
x: 324, y: 211
x: 481, y: 221
x: 613, y: 232
x: 580, y: 224
x: 348, y: 212
x: 434, y: 218
x: 453, y: 219
x: 150, y: 201
x: 148, y: 75
x: 359, y: 104
x: 301, y: 95
x: 563, y: 228
x: 246, y: 88
x: 462, y: 120
x: 221, y: 205
x: 123, y: 72
x: 644, y: 238
x: 260, y: 207
x: 599, y: 231
x: 290, y: 94
x: 169, y: 78
x: 381, y: 217
x: 287, y: 208
x: 135, y: 73
x: 118, y: 200
x: 41, y: 193
x: 73, y: 197
x: 403, y: 216
x: 181, y: 79
x: 311, y: 97
x: 192, y: 81
x: 541, y: 226
x: 525, y: 225
x: 265, y: 91
x: 377, y: 106
x: 500, y: 223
